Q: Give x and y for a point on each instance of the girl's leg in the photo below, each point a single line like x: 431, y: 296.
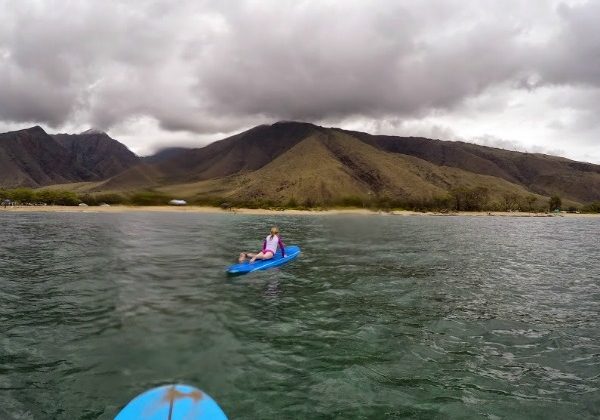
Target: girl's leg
x: 261, y: 256
x: 245, y: 255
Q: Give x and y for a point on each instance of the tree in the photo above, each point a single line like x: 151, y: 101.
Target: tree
x: 531, y: 199
x: 458, y: 197
x: 292, y: 203
x: 510, y: 201
x: 470, y: 199
x: 554, y: 203
x: 444, y: 202
x: 592, y: 207
x: 22, y: 195
x: 477, y: 198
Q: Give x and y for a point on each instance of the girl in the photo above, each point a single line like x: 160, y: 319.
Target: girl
x: 270, y: 245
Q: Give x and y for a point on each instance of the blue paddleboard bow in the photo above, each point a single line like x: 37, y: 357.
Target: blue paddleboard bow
x: 173, y: 402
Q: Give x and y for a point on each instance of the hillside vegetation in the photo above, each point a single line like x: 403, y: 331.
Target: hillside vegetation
x: 291, y: 164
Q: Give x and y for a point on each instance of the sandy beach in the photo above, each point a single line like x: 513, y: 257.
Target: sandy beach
x: 207, y: 209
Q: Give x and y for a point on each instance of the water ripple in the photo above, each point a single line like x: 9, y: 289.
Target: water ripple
x: 380, y: 317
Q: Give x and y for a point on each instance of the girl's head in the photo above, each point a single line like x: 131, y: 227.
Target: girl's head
x: 274, y: 230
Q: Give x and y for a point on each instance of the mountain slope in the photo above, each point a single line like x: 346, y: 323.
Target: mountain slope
x: 249, y: 152
x: 164, y: 154
x: 244, y: 152
x: 98, y: 153
x: 330, y: 167
x: 539, y: 173
x: 299, y: 162
x: 143, y: 175
x: 33, y: 158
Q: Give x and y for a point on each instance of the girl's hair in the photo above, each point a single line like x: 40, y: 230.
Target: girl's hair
x: 274, y: 231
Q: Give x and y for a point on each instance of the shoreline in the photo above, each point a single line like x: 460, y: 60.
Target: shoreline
x: 217, y: 210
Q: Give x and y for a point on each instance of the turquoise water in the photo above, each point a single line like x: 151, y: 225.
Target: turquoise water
x: 380, y: 317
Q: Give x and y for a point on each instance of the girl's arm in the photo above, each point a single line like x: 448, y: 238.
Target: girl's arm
x: 282, y: 247
x: 264, y: 245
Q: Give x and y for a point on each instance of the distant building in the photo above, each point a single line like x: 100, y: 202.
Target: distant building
x: 178, y: 202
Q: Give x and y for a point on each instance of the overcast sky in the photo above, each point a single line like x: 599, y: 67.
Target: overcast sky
x: 523, y: 75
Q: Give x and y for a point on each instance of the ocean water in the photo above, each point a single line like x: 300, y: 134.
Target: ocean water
x: 380, y: 317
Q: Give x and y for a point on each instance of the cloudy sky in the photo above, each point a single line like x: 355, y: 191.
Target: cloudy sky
x: 523, y: 74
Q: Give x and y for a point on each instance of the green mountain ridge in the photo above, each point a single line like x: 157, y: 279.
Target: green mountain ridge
x: 301, y: 162
x: 328, y: 168
x: 295, y: 162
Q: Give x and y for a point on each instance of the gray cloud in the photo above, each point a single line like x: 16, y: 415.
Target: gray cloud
x: 210, y: 67
x: 491, y: 141
x: 574, y: 55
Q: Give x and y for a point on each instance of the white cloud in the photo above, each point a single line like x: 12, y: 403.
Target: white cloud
x: 154, y: 71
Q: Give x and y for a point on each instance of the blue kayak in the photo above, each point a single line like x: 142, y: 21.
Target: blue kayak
x: 174, y: 402
x: 291, y: 252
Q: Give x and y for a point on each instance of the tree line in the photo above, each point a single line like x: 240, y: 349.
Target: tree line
x: 457, y: 199
x: 61, y: 197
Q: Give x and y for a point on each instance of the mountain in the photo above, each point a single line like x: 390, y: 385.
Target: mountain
x: 300, y: 161
x: 164, y: 154
x: 33, y: 158
x: 330, y: 167
x: 244, y: 152
x: 539, y: 173
x: 101, y: 155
